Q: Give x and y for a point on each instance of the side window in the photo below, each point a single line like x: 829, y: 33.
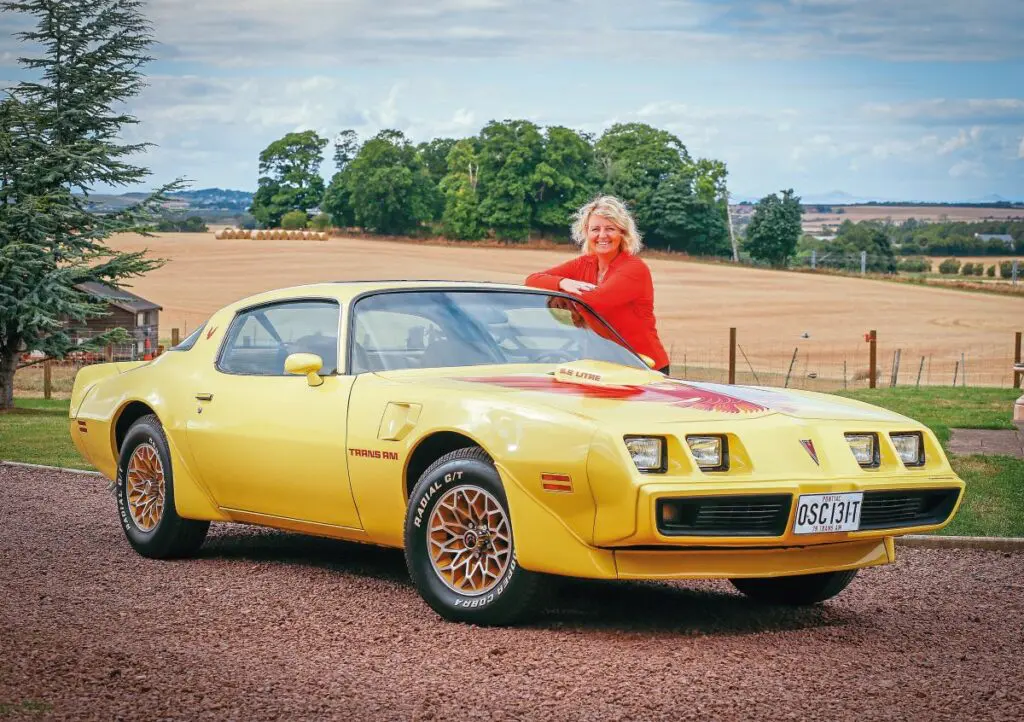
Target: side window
x: 260, y: 339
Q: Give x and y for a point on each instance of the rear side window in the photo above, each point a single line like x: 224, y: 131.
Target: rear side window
x: 190, y: 340
x: 260, y: 339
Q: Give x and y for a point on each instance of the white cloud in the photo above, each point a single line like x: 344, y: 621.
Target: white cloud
x: 961, y: 140
x: 938, y: 111
x: 967, y: 169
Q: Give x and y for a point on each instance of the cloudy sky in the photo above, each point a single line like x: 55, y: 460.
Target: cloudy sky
x: 886, y: 99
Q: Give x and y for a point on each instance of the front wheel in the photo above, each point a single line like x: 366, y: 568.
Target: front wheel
x: 798, y: 590
x: 145, y: 496
x: 459, y: 547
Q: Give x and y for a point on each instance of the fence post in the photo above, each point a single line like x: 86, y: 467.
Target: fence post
x: 895, y: 368
x: 47, y: 379
x: 872, y: 358
x: 1018, y: 376
x: 174, y: 337
x: 732, y: 355
x: 956, y: 368
x: 791, y: 362
x: 963, y: 369
x: 109, y: 352
x: 919, y: 370
x: 814, y: 259
x: 863, y: 262
x: 1016, y: 263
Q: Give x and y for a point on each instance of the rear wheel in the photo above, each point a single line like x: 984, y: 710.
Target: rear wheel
x: 459, y: 547
x: 796, y: 590
x: 145, y: 496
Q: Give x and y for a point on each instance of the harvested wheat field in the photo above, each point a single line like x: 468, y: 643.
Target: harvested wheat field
x: 696, y: 304
x: 813, y: 221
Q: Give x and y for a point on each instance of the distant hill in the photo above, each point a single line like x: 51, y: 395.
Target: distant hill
x: 205, y: 201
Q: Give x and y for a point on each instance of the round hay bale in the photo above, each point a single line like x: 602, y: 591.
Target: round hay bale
x: 229, y: 233
x: 305, y: 235
x: 278, y: 234
x: 219, y: 234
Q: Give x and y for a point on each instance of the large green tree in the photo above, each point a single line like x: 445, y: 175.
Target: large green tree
x: 289, y: 177
x: 509, y: 153
x: 60, y: 136
x: 675, y: 217
x: 566, y: 177
x: 774, y: 228
x: 336, y: 202
x: 461, y: 218
x: 636, y: 157
x: 389, y: 188
x: 869, y: 236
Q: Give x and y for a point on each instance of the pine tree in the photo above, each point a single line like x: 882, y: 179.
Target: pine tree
x: 59, y: 138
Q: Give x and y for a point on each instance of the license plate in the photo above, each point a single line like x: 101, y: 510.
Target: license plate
x: 827, y: 513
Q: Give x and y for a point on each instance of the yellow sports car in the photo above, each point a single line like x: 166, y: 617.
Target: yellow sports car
x: 499, y: 434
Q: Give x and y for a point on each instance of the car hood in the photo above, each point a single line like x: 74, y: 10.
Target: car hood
x: 604, y: 391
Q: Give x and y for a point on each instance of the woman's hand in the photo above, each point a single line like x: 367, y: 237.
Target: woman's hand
x: 578, y: 287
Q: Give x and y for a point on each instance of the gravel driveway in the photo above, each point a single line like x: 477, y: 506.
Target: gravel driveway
x: 269, y: 625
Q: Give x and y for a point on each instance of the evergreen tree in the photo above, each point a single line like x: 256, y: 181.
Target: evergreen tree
x: 59, y: 137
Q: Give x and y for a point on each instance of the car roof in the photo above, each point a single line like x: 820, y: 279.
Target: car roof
x: 347, y: 290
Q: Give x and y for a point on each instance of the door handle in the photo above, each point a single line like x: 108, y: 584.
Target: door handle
x: 204, y: 397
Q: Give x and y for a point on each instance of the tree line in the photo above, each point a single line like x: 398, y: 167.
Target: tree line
x: 513, y: 181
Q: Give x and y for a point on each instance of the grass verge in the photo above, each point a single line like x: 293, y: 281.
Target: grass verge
x: 35, y: 431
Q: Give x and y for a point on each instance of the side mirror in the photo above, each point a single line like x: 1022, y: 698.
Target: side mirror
x: 305, y: 363
x: 647, y: 360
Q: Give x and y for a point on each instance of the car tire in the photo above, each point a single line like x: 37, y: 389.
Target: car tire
x: 797, y: 590
x: 465, y: 569
x: 145, y: 496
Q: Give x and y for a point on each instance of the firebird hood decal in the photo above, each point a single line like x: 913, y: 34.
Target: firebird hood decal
x: 696, y: 396
x: 674, y: 393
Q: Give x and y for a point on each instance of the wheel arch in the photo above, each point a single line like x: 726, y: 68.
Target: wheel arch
x: 431, y: 448
x: 126, y: 416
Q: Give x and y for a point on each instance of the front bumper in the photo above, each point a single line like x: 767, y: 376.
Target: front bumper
x: 940, y: 495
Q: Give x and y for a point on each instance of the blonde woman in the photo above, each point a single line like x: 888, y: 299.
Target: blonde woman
x: 609, y: 277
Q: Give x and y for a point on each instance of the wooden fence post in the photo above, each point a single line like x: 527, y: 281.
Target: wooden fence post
x: 1018, y: 376
x: 732, y: 355
x: 791, y: 362
x: 47, y: 379
x: 873, y: 358
x: 174, y: 337
x: 110, y: 352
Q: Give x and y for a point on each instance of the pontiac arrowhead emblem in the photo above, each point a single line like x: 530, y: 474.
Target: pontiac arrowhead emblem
x: 211, y: 331
x: 809, y: 448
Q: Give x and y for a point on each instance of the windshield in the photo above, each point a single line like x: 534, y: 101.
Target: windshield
x: 436, y: 329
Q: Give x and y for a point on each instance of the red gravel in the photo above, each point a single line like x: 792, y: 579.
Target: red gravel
x: 269, y: 625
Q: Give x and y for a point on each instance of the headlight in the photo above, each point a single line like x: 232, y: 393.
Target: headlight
x: 647, y: 452
x: 710, y: 452
x: 864, y: 448
x: 909, y: 447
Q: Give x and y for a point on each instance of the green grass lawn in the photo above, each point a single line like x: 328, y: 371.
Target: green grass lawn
x: 37, y: 432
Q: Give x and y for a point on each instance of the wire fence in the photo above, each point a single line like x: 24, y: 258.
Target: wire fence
x: 832, y: 367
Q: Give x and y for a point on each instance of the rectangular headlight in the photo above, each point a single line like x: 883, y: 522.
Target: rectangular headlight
x: 647, y: 452
x: 864, y: 448
x: 708, y: 451
x: 909, y: 447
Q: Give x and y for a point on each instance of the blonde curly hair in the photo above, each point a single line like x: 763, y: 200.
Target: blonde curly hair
x: 614, y: 210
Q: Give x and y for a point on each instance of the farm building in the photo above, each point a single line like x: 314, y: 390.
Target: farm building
x: 139, y: 317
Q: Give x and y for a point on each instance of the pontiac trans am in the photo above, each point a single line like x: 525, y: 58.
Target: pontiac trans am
x: 499, y: 435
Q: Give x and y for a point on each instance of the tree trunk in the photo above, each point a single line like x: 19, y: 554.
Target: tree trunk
x: 8, y: 364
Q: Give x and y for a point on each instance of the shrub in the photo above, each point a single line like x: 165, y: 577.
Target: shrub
x: 320, y: 222
x: 294, y: 220
x: 990, y: 271
x: 967, y: 269
x: 1006, y: 269
x: 914, y: 265
x: 950, y: 266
